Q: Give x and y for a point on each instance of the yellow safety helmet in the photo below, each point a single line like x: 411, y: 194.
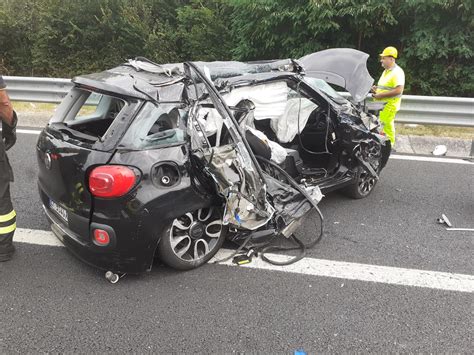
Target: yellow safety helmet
x: 389, y: 52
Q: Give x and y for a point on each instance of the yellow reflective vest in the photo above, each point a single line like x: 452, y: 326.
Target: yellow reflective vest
x: 390, y: 79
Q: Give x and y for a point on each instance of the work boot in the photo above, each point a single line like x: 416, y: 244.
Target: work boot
x: 7, y: 254
x: 7, y: 249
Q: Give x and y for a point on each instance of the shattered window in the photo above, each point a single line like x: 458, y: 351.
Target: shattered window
x: 88, y: 113
x: 156, y: 125
x: 324, y: 87
x: 92, y: 106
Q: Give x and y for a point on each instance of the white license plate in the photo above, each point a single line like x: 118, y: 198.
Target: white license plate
x: 61, y: 212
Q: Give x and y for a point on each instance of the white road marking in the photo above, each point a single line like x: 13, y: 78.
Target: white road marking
x: 28, y: 131
x: 365, y: 272
x: 319, y: 267
x: 431, y: 159
x: 36, y: 236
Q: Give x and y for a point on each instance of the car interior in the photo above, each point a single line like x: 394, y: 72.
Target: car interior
x: 308, y: 147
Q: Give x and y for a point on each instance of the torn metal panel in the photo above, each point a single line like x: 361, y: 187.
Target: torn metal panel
x: 143, y: 64
x: 173, y: 92
x: 239, y: 187
x: 110, y: 83
x: 216, y: 69
x: 246, y: 201
x: 241, y: 144
x: 289, y: 203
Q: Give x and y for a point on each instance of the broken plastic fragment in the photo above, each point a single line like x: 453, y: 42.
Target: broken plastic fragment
x: 444, y: 220
x: 440, y: 150
x: 237, y: 218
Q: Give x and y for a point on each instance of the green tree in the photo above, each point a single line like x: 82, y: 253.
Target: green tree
x: 64, y: 38
x: 18, y: 24
x: 91, y: 35
x: 203, y: 30
x: 270, y: 29
x: 437, y: 46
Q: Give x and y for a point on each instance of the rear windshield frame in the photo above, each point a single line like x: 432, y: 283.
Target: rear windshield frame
x: 109, y: 140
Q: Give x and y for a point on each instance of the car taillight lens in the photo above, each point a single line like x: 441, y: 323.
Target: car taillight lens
x: 111, y: 180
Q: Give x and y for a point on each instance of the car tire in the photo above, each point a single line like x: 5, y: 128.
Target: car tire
x: 192, y: 239
x: 363, y: 186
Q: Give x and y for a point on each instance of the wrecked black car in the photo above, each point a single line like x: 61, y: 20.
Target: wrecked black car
x: 147, y: 160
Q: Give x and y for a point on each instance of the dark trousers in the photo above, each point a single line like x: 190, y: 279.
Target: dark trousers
x: 7, y: 221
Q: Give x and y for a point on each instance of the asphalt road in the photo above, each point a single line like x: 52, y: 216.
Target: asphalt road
x: 51, y: 302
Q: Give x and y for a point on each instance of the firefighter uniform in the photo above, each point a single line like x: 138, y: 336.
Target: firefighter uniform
x: 7, y: 213
x: 389, y: 80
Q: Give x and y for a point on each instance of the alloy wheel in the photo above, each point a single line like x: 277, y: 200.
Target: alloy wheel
x: 195, y: 234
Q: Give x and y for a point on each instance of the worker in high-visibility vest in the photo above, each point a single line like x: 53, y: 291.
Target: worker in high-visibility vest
x: 389, y: 89
x: 7, y: 140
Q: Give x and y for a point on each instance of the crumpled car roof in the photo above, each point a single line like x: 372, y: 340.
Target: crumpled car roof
x: 344, y: 67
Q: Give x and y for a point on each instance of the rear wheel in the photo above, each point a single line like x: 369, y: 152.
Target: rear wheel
x: 364, y: 185
x: 192, y: 239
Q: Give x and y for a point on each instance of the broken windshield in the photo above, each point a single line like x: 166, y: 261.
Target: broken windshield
x: 156, y: 125
x: 323, y: 86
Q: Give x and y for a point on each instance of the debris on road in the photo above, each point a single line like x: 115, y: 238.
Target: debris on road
x: 440, y: 150
x: 444, y: 220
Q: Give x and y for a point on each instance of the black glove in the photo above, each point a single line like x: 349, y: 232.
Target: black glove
x: 9, y: 132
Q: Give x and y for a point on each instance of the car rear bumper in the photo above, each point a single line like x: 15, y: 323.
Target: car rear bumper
x: 133, y: 261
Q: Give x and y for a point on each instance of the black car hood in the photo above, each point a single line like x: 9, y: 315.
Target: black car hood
x: 345, y: 67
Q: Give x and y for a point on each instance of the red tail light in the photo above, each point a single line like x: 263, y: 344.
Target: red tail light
x: 101, y: 237
x: 111, y: 180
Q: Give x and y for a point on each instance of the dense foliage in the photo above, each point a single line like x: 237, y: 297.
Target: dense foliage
x: 63, y: 38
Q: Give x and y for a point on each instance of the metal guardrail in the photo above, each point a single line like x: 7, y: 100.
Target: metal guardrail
x: 441, y: 110
x: 437, y: 110
x: 29, y: 89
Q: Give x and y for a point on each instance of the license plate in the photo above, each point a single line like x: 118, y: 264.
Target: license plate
x: 61, y: 212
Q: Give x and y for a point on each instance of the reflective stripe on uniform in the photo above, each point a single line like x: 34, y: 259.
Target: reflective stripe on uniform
x: 8, y: 216
x: 9, y: 229
x: 385, y: 87
x: 5, y: 226
x: 381, y: 87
